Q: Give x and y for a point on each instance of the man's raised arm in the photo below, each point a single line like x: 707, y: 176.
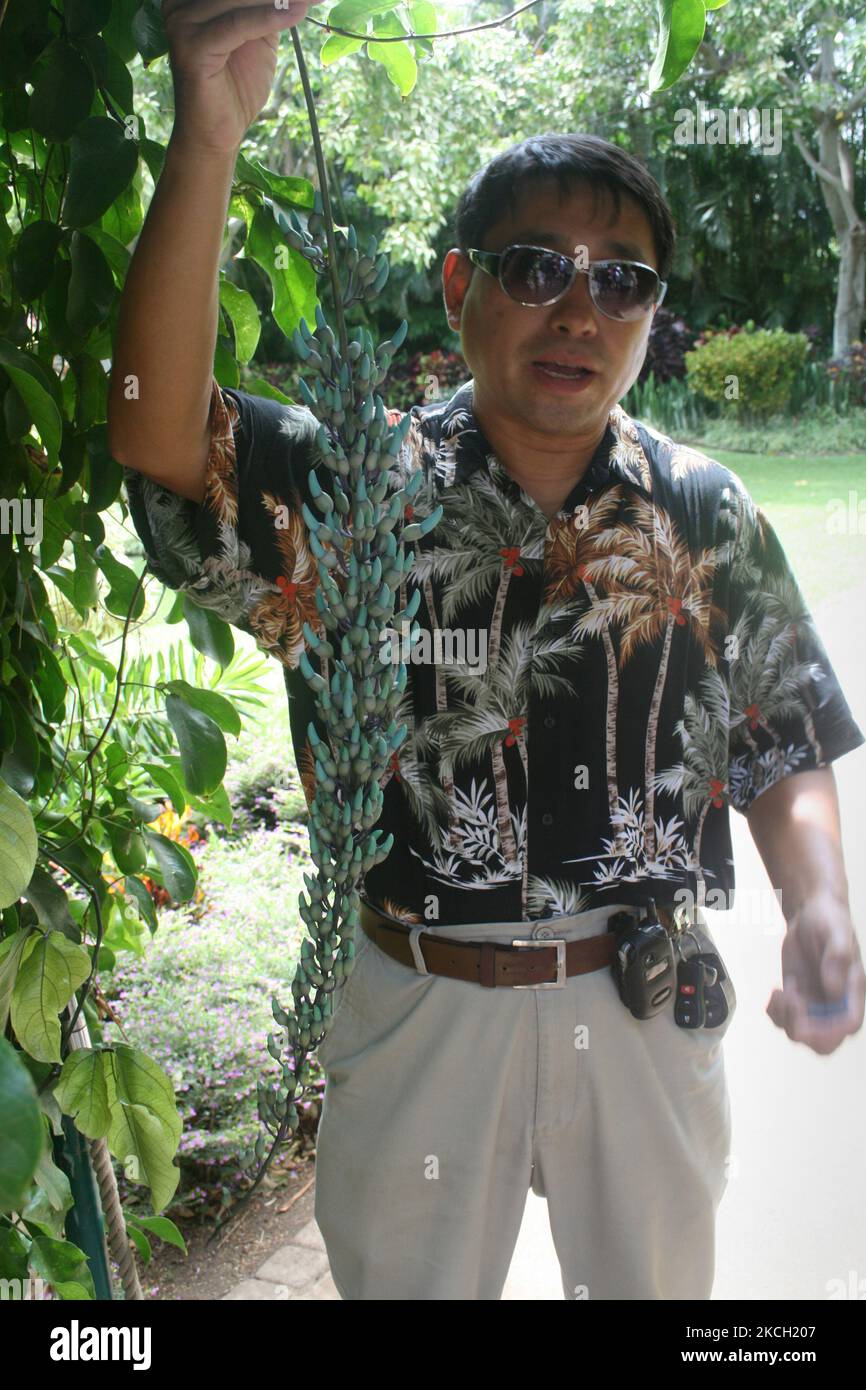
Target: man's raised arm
x: 223, y: 57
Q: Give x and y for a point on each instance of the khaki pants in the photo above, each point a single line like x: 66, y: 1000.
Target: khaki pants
x: 446, y: 1101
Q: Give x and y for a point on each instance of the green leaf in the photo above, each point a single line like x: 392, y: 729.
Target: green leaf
x: 85, y: 587
x: 91, y: 285
x: 165, y: 778
x: 61, y: 1264
x: 19, y: 764
x: 49, y: 902
x: 18, y: 845
x: 118, y: 31
x: 258, y: 386
x: 241, y: 309
x: 21, y: 1135
x: 208, y: 633
x: 84, y: 643
x: 423, y: 16
x: 102, y: 164
x: 85, y: 17
x: 351, y: 14
x: 11, y: 951
x: 148, y: 31
x: 338, y: 46
x: 216, y: 807
x: 127, y: 848
x: 48, y: 977
x: 292, y: 278
x: 136, y: 889
x: 33, y: 257
x: 37, y: 400
x: 124, y: 583
x: 140, y: 1241
x: 82, y: 1091
x: 176, y: 864
x: 681, y: 29
x: 397, y: 59
x: 161, y: 1227
x: 221, y: 710
x: 202, y: 747
x: 145, y: 1125
x: 63, y: 92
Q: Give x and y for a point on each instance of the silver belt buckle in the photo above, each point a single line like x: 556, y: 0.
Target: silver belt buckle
x: 559, y: 982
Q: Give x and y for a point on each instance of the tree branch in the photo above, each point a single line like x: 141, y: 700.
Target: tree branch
x: 401, y: 38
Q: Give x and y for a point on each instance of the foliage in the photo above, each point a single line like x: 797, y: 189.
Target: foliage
x: 424, y: 378
x: 669, y: 341
x: 849, y: 372
x: 750, y: 369
x: 200, y: 995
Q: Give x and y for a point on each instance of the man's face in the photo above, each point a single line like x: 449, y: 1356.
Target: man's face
x: 501, y: 338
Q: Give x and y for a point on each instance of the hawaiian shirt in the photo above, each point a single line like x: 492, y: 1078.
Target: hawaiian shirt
x: 587, y: 695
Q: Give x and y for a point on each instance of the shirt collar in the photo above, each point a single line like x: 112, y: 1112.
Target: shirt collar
x: 459, y: 445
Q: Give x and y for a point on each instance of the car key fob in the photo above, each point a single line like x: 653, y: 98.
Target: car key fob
x: 690, y: 1007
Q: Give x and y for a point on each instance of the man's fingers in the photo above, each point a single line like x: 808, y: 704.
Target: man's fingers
x: 234, y: 27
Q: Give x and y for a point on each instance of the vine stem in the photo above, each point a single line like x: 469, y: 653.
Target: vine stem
x: 401, y: 38
x: 336, y: 289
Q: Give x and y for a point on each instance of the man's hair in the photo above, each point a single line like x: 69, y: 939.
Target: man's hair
x: 571, y: 158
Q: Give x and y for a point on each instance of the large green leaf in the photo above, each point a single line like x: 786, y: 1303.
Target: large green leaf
x: 18, y: 845
x: 86, y: 17
x: 221, y: 710
x: 397, y: 59
x: 48, y: 976
x: 148, y: 30
x: 63, y: 92
x: 38, y: 401
x: 145, y: 1125
x: 681, y: 29
x: 293, y: 280
x: 202, y: 746
x: 33, y: 257
x: 91, y: 285
x: 125, y: 595
x: 83, y: 1092
x: 22, y: 1135
x: 176, y: 864
x: 208, y: 633
x: 62, y: 1265
x: 241, y: 309
x: 102, y: 164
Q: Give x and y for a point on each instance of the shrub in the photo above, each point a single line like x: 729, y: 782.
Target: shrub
x: 669, y: 341
x: 849, y: 373
x: 750, y: 369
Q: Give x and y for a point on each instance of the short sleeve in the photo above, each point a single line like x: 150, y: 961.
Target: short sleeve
x: 786, y: 710
x: 243, y: 552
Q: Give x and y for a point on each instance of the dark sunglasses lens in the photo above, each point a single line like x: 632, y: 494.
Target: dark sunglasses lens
x: 623, y: 291
x: 534, y: 277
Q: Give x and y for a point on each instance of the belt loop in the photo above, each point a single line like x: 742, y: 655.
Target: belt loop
x: 420, y: 963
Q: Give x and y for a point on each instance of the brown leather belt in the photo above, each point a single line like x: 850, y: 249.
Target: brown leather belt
x: 530, y: 964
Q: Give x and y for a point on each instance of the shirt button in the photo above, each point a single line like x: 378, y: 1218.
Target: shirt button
x: 549, y: 721
x: 547, y: 819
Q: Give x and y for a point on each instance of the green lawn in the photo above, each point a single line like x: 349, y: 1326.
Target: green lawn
x: 794, y: 492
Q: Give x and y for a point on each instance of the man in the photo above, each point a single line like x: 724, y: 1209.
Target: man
x: 633, y: 656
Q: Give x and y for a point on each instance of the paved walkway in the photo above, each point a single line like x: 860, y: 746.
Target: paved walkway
x: 792, y: 1220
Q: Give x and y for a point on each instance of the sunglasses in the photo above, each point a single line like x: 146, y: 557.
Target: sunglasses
x: 535, y: 276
